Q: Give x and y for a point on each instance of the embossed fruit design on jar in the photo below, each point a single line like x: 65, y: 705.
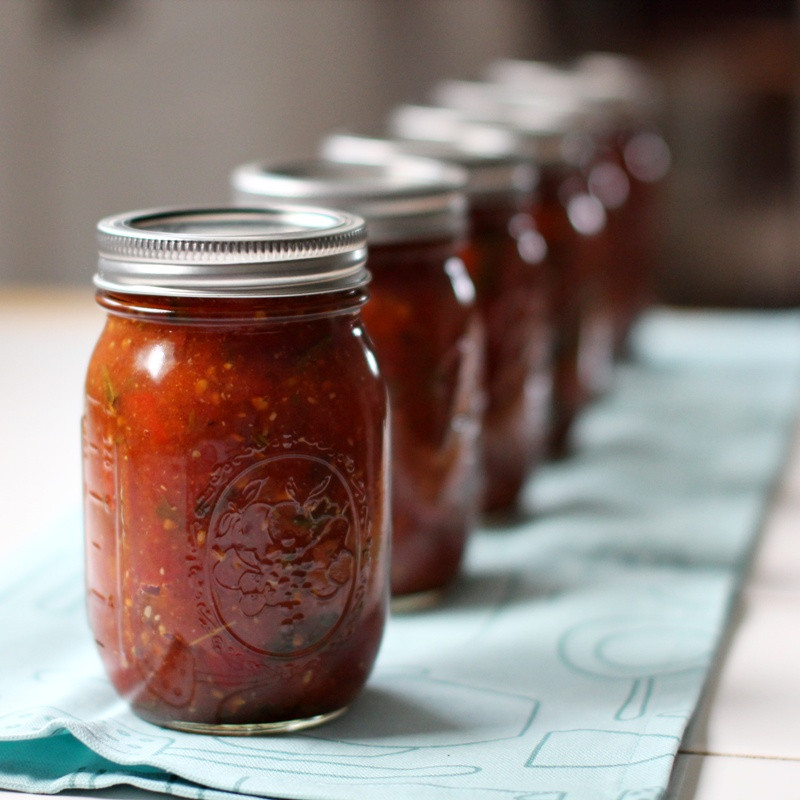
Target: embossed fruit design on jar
x: 253, y: 536
x: 235, y: 468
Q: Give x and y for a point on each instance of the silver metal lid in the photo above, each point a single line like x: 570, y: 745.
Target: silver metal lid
x: 490, y: 154
x: 547, y: 123
x: 542, y: 77
x: 487, y: 172
x: 618, y: 81
x: 475, y: 99
x: 276, y: 251
x: 431, y: 125
x: 401, y: 198
x: 601, y: 86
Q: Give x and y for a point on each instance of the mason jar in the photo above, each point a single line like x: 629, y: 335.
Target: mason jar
x: 429, y: 340
x: 235, y: 454
x: 574, y: 224
x: 628, y: 104
x: 620, y: 104
x: 507, y: 261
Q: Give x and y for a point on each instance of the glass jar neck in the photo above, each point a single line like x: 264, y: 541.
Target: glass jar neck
x: 385, y: 255
x: 216, y: 310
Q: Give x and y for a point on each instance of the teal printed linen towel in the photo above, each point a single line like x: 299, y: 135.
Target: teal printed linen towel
x: 564, y: 665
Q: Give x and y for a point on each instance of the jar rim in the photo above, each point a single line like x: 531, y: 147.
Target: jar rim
x: 489, y: 155
x: 231, y: 252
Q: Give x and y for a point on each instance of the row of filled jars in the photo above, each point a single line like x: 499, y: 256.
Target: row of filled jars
x: 245, y: 467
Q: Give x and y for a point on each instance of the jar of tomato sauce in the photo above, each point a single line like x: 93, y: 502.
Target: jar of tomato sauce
x: 506, y: 259
x: 574, y: 223
x: 619, y: 103
x: 235, y: 468
x: 574, y: 226
x: 627, y: 102
x: 429, y: 340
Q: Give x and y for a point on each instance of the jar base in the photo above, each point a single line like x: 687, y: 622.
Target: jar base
x: 416, y: 601
x: 256, y: 728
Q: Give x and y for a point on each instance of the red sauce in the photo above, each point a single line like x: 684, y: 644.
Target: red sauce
x: 429, y: 341
x: 507, y: 262
x: 236, y: 506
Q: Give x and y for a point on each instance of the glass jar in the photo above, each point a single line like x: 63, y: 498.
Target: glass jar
x: 619, y: 103
x: 628, y: 103
x: 506, y: 260
x: 235, y: 468
x: 573, y: 224
x: 429, y: 340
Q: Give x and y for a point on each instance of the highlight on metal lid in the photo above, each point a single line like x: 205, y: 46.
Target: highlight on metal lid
x: 451, y: 126
x: 620, y: 82
x: 489, y: 155
x: 540, y: 123
x: 401, y: 198
x: 277, y: 250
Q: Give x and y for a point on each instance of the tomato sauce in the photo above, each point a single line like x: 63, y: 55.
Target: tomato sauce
x: 627, y: 102
x: 508, y: 264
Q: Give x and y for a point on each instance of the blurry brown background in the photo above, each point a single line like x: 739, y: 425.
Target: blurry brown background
x: 109, y: 105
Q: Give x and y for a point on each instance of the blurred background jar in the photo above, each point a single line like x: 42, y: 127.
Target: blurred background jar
x: 619, y: 107
x: 729, y: 78
x: 506, y: 261
x: 574, y: 226
x: 235, y: 453
x: 430, y: 342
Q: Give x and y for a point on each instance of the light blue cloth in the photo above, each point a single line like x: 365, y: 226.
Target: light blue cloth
x: 564, y: 665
